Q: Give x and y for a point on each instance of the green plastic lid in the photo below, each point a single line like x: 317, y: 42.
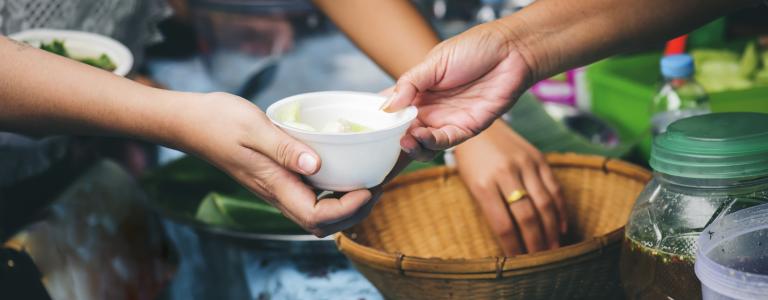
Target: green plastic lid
x: 714, y: 146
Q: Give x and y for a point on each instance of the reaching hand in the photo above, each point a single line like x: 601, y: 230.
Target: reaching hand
x: 237, y: 137
x: 499, y: 162
x: 463, y: 85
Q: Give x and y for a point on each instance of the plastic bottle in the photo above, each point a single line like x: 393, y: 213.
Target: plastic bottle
x: 680, y: 96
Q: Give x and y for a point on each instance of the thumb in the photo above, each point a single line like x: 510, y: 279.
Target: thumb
x: 286, y: 151
x: 417, y: 80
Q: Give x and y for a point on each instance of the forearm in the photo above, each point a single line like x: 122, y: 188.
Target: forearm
x: 390, y: 32
x: 44, y: 93
x: 555, y: 35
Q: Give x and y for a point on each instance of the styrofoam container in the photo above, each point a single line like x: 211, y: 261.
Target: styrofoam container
x: 349, y: 161
x: 732, y: 256
x: 82, y: 44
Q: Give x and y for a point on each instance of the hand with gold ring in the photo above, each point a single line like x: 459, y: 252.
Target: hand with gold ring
x: 515, y: 189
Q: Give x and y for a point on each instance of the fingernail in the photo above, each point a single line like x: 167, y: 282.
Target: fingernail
x: 407, y: 150
x: 386, y: 104
x: 307, y: 163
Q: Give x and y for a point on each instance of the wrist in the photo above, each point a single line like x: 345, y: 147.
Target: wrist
x: 169, y: 117
x: 520, y: 39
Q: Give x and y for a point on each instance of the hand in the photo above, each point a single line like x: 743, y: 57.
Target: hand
x: 498, y: 162
x: 237, y: 137
x: 464, y: 84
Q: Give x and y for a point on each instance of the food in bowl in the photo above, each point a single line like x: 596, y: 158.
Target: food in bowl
x: 102, y: 61
x: 358, y: 144
x: 81, y: 44
x: 290, y: 116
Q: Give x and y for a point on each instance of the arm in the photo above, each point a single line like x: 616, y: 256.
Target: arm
x: 392, y: 33
x: 556, y: 35
x: 44, y: 93
x: 469, y: 80
x: 396, y: 37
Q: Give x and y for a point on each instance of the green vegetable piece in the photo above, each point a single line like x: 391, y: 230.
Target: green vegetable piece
x: 55, y: 47
x: 765, y: 59
x: 103, y: 62
x: 762, y: 77
x: 291, y: 113
x: 301, y: 126
x: 749, y: 61
x: 350, y: 126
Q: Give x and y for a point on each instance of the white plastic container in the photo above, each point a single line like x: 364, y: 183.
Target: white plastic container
x: 349, y: 161
x: 82, y: 44
x: 732, y: 260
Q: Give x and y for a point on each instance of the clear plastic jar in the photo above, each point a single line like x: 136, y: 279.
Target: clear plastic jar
x: 705, y: 167
x: 660, y: 244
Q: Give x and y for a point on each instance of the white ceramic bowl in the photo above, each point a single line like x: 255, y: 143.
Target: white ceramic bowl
x: 82, y: 44
x: 350, y: 161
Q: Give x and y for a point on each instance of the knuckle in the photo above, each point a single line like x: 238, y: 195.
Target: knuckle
x: 484, y: 184
x: 526, y: 220
x: 507, y: 232
x: 526, y: 163
x: 284, y: 152
x: 548, y: 206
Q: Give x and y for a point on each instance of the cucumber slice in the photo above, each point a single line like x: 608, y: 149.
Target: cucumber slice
x: 298, y: 125
x: 290, y: 113
x: 344, y: 126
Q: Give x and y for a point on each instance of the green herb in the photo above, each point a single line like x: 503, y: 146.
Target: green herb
x: 102, y: 62
x: 55, y: 47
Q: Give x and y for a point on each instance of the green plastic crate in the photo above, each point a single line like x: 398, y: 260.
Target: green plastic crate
x: 623, y: 87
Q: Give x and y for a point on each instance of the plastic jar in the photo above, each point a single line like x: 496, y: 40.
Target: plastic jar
x: 704, y: 167
x: 732, y: 260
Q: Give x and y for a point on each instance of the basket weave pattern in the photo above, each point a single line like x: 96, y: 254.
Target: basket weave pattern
x: 426, y: 239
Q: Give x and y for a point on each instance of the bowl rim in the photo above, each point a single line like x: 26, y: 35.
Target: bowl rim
x: 502, y: 266
x: 410, y: 111
x: 124, y: 61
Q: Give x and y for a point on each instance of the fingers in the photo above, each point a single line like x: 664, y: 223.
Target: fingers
x: 544, y: 204
x: 334, y: 215
x: 498, y: 216
x: 299, y: 203
x: 524, y: 213
x: 419, y: 79
x: 440, y: 138
x: 388, y: 91
x: 555, y: 191
x: 283, y: 149
x: 413, y: 148
x: 352, y: 220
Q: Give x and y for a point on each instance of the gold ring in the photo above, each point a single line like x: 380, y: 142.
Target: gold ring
x: 516, y: 195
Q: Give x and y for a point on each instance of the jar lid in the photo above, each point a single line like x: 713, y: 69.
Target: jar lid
x: 714, y: 146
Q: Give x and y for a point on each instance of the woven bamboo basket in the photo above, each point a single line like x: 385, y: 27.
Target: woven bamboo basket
x: 426, y: 239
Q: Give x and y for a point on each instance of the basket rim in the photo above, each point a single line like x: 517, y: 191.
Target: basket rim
x: 493, y: 267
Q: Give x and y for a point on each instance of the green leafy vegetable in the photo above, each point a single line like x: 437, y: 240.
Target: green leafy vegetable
x: 55, y: 47
x: 721, y: 70
x: 749, y: 61
x: 102, y: 62
x: 244, y: 213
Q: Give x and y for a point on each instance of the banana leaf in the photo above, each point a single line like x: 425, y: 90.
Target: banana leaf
x: 192, y: 190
